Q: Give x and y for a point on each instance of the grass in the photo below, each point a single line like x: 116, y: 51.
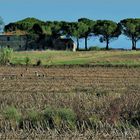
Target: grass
x: 69, y: 58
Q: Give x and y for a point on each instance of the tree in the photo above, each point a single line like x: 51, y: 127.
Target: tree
x: 75, y: 29
x: 36, y: 29
x: 24, y: 25
x: 86, y: 28
x: 35, y: 35
x: 72, y: 29
x: 69, y: 29
x: 131, y: 29
x: 76, y: 32
x: 56, y: 27
x: 1, y: 23
x: 10, y: 27
x: 107, y: 31
x: 80, y: 29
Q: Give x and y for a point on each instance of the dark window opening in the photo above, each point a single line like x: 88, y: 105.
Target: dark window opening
x: 19, y: 46
x: 8, y: 38
x: 8, y: 46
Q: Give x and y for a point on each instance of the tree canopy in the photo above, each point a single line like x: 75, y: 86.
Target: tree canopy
x: 24, y: 25
x: 107, y: 30
x: 85, y: 26
x: 131, y: 28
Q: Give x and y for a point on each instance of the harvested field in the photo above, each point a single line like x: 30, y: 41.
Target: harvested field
x: 105, y: 94
x: 63, y: 80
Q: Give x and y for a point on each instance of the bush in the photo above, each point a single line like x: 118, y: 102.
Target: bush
x: 27, y: 61
x: 49, y: 113
x: 56, y: 117
x: 38, y: 63
x: 5, y: 55
x: 95, y: 48
x: 32, y: 120
x: 67, y: 114
x: 34, y: 116
x: 11, y: 113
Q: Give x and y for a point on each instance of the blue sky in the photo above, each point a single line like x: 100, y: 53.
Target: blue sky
x: 71, y: 10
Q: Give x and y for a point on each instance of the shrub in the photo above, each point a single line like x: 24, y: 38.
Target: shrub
x: 11, y: 113
x: 95, y: 48
x: 27, y: 61
x: 49, y: 114
x: 67, y: 114
x: 31, y: 121
x: 56, y: 117
x: 34, y: 116
x: 5, y: 55
x: 38, y: 63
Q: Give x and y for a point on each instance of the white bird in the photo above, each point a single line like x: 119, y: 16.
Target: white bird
x: 3, y: 78
x: 36, y: 73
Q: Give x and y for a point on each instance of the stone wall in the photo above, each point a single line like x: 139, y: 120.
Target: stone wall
x: 13, y: 41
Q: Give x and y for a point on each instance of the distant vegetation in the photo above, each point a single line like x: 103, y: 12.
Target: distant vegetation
x: 106, y: 30
x: 104, y: 58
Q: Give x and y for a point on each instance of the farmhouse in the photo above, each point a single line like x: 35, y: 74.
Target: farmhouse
x: 64, y: 44
x: 13, y: 40
x: 19, y: 41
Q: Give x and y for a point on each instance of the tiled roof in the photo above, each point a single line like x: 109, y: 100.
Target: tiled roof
x: 18, y: 32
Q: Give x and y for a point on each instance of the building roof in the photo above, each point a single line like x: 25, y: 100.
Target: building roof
x: 17, y: 32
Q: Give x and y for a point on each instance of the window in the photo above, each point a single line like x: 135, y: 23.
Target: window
x: 8, y: 38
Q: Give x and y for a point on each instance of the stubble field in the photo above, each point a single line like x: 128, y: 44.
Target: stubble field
x: 104, y: 100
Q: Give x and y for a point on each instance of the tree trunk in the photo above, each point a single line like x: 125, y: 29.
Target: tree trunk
x: 107, y: 44
x: 133, y: 44
x: 77, y: 43
x: 86, y: 43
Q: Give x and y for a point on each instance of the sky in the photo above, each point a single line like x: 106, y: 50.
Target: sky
x: 72, y: 10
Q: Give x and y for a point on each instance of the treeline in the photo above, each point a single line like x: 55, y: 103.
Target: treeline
x: 106, y: 30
